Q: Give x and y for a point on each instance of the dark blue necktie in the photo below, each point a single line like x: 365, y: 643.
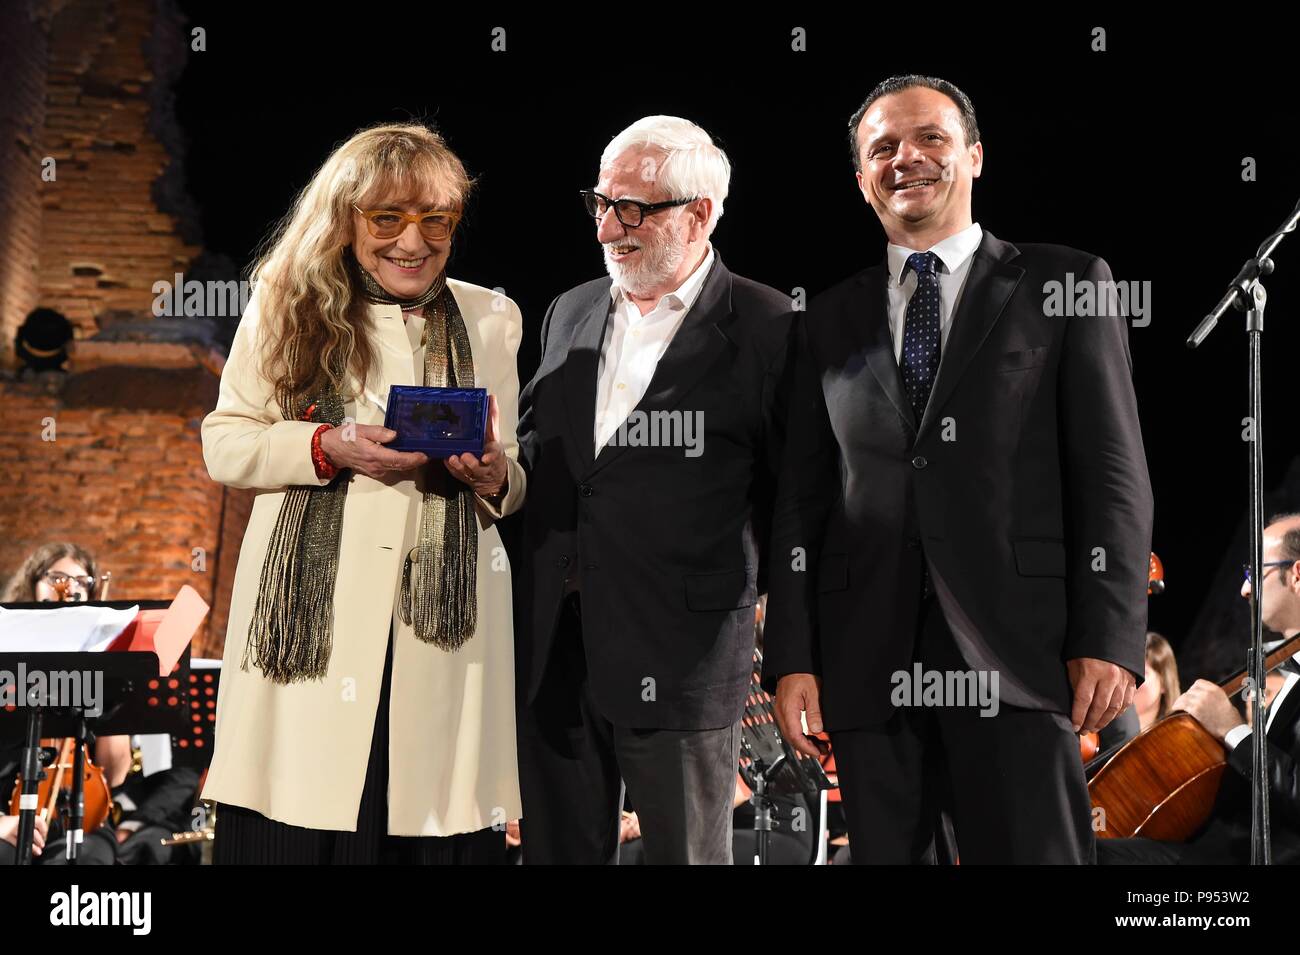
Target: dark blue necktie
x: 920, y: 361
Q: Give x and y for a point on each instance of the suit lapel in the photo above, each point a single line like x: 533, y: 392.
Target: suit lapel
x: 988, y: 288
x: 878, y: 346
x: 580, y: 369
x: 693, y: 349
x: 1284, y: 731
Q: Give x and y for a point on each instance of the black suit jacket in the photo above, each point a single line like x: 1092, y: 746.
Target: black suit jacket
x: 164, y: 798
x: 1225, y: 839
x: 1025, y: 488
x: 666, y: 545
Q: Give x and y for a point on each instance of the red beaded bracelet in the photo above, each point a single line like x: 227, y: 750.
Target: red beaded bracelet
x: 324, y: 469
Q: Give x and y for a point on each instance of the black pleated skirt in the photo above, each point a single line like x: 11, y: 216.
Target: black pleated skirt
x: 245, y: 837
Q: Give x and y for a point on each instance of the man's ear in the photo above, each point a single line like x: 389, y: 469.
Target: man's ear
x: 703, y: 213
x: 977, y: 160
x: 862, y: 187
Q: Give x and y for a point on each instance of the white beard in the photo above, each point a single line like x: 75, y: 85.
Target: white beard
x: 659, y: 260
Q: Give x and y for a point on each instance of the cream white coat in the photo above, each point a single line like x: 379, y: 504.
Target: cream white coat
x: 298, y: 753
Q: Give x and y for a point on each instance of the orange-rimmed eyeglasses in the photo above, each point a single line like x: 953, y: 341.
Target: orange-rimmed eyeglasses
x: 390, y: 223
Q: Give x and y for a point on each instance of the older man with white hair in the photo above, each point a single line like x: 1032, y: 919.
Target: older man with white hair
x: 650, y: 436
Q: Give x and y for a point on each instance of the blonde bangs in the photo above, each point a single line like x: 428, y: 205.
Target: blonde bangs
x: 317, y: 331
x: 407, y: 171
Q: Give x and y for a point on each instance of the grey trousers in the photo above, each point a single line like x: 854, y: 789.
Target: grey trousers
x: 572, y: 762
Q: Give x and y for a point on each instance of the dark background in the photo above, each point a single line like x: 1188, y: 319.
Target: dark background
x: 1134, y: 154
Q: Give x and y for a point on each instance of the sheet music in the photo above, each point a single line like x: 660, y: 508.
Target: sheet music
x: 69, y: 628
x: 155, y: 752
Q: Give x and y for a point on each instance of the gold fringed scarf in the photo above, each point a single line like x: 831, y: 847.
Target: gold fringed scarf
x: 291, y: 635
x: 439, y: 577
x: 293, y: 620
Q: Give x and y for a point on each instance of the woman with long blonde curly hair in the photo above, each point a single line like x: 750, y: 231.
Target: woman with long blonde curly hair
x: 366, y: 704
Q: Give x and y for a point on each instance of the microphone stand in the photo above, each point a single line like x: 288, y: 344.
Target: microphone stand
x: 74, y: 832
x: 762, y: 803
x: 1247, y: 294
x: 28, y: 802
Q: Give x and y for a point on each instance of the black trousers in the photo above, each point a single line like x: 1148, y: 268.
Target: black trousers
x: 1138, y: 851
x: 571, y: 760
x: 1011, y: 783
x: 245, y: 837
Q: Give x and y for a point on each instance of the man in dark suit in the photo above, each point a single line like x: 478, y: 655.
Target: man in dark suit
x: 962, y: 531
x: 649, y: 436
x: 1226, y: 839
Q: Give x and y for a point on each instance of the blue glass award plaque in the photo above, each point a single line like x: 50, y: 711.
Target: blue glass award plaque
x: 438, y: 421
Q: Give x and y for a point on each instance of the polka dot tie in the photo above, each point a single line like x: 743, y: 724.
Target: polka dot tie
x: 920, y: 360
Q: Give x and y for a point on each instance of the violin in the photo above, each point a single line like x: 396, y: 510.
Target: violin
x: 1090, y: 743
x: 54, y: 794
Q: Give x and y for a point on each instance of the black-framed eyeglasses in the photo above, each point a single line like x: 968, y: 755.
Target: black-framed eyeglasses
x: 81, y: 585
x: 630, y: 212
x: 1265, y: 567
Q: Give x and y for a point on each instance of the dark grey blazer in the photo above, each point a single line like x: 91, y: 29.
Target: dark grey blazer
x: 1026, y: 474
x: 666, y: 544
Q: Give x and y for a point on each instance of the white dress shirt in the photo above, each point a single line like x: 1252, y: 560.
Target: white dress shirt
x: 633, y: 345
x: 955, y: 254
x: 1240, y: 732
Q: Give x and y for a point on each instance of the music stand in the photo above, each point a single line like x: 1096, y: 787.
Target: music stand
x: 130, y: 677
x: 770, y: 765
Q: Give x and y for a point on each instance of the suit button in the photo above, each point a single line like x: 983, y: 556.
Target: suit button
x: 919, y: 462
x: 914, y: 542
x: 562, y: 562
x: 586, y: 490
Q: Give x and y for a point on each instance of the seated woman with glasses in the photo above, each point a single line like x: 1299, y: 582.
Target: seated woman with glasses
x: 57, y: 571
x: 366, y: 709
x: 60, y: 572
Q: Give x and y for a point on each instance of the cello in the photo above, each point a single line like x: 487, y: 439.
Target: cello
x: 1162, y: 783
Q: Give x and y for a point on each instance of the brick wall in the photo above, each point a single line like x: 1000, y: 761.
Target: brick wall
x: 88, y: 82
x: 123, y: 476
x: 238, y: 504
x: 23, y: 56
x: 105, y: 242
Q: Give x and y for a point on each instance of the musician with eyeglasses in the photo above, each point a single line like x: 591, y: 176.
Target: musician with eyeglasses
x: 62, y: 572
x: 59, y: 571
x: 649, y: 434
x: 1226, y: 837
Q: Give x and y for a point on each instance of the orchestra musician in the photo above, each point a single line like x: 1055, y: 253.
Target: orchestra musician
x: 1155, y: 697
x: 61, y: 571
x: 1226, y: 837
